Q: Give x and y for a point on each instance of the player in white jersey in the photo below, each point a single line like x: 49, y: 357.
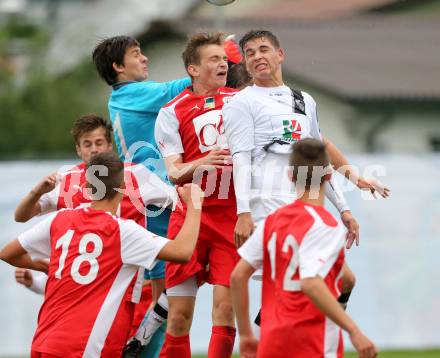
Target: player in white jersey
x: 271, y: 117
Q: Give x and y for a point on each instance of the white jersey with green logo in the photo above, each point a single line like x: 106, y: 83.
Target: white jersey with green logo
x: 265, y: 121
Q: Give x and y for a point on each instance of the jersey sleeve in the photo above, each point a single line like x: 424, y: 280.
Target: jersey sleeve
x: 49, y: 201
x: 239, y: 125
x: 36, y: 240
x: 39, y: 280
x: 252, y: 250
x: 139, y: 247
x: 177, y: 86
x: 315, y: 131
x: 166, y: 133
x: 242, y: 176
x: 151, y: 96
x: 335, y: 195
x: 319, y: 250
x: 152, y: 189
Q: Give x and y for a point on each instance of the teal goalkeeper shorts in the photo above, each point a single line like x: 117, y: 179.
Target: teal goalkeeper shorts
x: 157, y: 225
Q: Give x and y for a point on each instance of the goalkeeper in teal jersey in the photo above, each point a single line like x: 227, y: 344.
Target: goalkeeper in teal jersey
x: 133, y: 106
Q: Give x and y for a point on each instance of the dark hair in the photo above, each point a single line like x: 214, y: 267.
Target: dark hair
x: 111, y: 178
x: 258, y: 34
x: 238, y: 76
x: 310, y: 154
x: 111, y: 50
x: 88, y: 123
x: 191, y: 54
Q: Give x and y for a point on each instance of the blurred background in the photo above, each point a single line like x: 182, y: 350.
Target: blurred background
x: 373, y: 67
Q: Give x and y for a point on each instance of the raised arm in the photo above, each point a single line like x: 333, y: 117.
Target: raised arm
x: 182, y: 247
x: 341, y: 164
x: 29, y: 206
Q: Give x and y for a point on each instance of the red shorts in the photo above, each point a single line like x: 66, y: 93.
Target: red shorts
x: 215, y: 255
x: 43, y: 355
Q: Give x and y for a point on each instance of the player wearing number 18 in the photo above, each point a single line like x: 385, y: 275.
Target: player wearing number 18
x: 301, y: 250
x: 94, y: 256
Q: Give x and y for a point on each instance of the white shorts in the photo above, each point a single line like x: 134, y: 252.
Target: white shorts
x: 187, y: 288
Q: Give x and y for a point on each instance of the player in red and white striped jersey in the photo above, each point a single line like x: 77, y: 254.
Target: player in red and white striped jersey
x: 189, y: 132
x: 94, y: 256
x: 66, y: 189
x: 301, y: 250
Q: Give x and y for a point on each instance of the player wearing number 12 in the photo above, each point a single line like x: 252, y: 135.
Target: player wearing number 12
x: 94, y: 255
x: 301, y: 250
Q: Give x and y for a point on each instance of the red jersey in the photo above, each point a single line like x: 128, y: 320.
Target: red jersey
x: 93, y: 258
x: 192, y: 126
x: 296, y: 242
x: 142, y: 188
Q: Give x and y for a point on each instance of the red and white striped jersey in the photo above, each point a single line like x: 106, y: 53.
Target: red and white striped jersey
x: 192, y: 126
x: 297, y: 241
x: 142, y: 188
x: 93, y: 258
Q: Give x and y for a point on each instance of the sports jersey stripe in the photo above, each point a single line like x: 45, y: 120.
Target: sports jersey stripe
x: 107, y: 313
x: 324, y: 230
x: 331, y: 338
x: 176, y: 100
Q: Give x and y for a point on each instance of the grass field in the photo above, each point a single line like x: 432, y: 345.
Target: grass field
x: 432, y: 353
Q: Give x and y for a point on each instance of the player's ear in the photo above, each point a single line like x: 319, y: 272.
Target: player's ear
x: 78, y: 150
x: 326, y: 177
x: 118, y: 68
x: 122, y: 185
x: 193, y: 70
x: 281, y: 54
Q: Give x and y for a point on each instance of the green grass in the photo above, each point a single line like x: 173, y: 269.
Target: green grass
x: 431, y: 353
x: 427, y: 353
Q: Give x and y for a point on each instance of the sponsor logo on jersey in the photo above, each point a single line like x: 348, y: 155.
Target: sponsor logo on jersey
x: 209, y: 103
x: 292, y: 130
x: 210, y: 130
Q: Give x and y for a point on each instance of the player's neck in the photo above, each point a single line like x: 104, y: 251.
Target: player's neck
x: 201, y: 89
x: 110, y: 205
x: 275, y: 80
x: 312, y: 196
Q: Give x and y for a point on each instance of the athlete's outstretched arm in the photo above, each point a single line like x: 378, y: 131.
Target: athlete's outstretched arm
x: 316, y: 289
x: 341, y: 164
x: 240, y: 301
x: 182, y: 247
x: 29, y: 205
x: 15, y: 255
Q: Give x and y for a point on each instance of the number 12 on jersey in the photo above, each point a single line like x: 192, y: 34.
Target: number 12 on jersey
x: 288, y: 283
x: 84, y: 256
